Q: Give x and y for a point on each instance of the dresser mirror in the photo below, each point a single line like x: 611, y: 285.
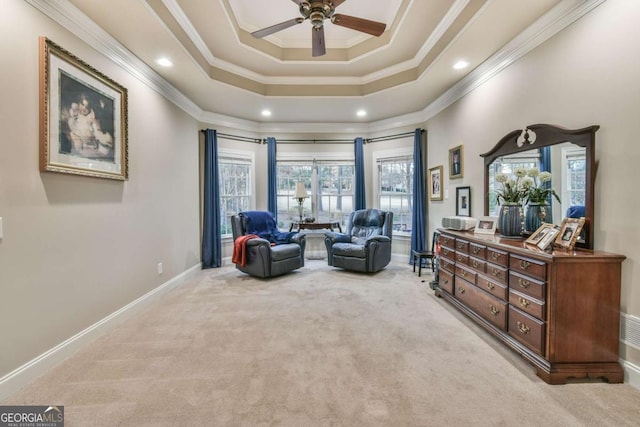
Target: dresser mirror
x: 567, y: 154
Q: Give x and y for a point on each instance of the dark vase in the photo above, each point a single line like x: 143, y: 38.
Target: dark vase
x: 510, y: 220
x: 535, y: 215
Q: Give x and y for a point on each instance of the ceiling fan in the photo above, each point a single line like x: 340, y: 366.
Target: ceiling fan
x: 316, y: 12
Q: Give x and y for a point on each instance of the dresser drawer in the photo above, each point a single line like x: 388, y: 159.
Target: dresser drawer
x: 462, y: 246
x: 477, y: 264
x: 466, y: 273
x: 479, y: 251
x: 526, y: 285
x: 527, y: 330
x: 497, y: 273
x: 529, y: 267
x: 448, y: 265
x: 489, y: 307
x: 445, y: 281
x: 462, y: 258
x: 492, y: 286
x: 496, y: 256
x: 445, y: 240
x: 527, y: 304
x: 448, y: 253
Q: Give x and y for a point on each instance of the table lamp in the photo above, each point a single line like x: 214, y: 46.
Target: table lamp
x: 300, y: 195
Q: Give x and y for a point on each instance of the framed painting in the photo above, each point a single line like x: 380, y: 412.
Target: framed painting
x: 83, y: 117
x: 435, y: 183
x: 486, y: 225
x: 463, y: 201
x: 456, y: 162
x: 569, y: 232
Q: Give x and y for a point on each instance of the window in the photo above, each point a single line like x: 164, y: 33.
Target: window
x: 235, y: 187
x: 395, y: 190
x: 507, y: 165
x: 574, y: 165
x: 329, y: 184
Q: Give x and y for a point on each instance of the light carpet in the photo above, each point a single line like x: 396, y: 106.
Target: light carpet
x: 317, y: 347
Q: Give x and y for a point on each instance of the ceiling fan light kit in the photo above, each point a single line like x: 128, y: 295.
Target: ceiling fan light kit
x: 316, y: 12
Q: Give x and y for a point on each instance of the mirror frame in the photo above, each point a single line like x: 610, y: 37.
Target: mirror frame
x: 546, y: 135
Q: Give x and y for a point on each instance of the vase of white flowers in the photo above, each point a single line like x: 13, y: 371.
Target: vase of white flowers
x: 510, y: 199
x: 538, y: 192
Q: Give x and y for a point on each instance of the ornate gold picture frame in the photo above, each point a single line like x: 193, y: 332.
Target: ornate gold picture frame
x: 83, y: 117
x: 569, y: 232
x: 435, y: 183
x: 456, y: 162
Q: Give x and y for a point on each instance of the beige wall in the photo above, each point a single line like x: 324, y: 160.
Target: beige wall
x: 76, y: 249
x: 586, y: 75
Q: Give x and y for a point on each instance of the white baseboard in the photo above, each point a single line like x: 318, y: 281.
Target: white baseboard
x: 631, y: 373
x: 18, y: 378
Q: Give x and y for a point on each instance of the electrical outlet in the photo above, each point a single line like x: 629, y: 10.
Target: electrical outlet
x: 159, y: 268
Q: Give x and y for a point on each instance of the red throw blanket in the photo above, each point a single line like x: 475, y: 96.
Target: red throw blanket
x: 240, y: 249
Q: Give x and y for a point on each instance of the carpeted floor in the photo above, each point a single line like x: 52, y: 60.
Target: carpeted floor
x: 318, y: 347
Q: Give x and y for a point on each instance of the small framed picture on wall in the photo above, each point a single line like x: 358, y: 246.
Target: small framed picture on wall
x: 456, y: 162
x: 463, y: 201
x: 435, y: 183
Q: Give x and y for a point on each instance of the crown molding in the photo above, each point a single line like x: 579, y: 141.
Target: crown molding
x: 560, y: 17
x: 70, y: 17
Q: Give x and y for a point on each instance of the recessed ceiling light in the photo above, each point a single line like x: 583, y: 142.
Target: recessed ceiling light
x: 165, y: 62
x: 361, y: 113
x: 266, y: 113
x: 460, y: 65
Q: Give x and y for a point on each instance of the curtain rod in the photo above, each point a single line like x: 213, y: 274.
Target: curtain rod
x: 392, y: 137
x: 314, y: 141
x: 236, y: 137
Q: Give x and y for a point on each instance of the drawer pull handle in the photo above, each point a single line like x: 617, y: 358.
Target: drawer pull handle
x: 445, y: 252
x: 475, y: 263
x: 460, y: 258
x: 490, y: 286
x: 463, y: 273
x: 495, y: 255
x: 495, y: 272
x: 445, y: 281
x: 524, y: 283
x: 524, y: 328
x: 523, y: 302
x: 524, y: 265
x: 475, y: 249
x: 460, y: 245
x: 461, y: 290
x: 494, y: 310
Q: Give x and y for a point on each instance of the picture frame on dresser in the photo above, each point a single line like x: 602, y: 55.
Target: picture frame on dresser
x: 486, y: 225
x: 549, y: 237
x: 569, y: 232
x: 539, y: 234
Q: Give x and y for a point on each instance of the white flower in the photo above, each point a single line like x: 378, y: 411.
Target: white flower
x: 533, y: 172
x: 501, y: 178
x: 520, y: 172
x: 545, y: 177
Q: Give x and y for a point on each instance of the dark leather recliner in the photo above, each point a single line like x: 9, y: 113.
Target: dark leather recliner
x: 366, y: 244
x: 273, y: 253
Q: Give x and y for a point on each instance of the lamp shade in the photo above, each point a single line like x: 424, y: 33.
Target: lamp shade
x: 300, y: 193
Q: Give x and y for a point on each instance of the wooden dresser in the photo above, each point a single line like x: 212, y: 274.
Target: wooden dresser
x: 560, y: 310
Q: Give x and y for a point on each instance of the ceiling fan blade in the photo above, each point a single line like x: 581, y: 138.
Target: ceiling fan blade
x: 317, y: 35
x: 337, y: 3
x: 359, y: 24
x: 297, y: 1
x: 275, y: 28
